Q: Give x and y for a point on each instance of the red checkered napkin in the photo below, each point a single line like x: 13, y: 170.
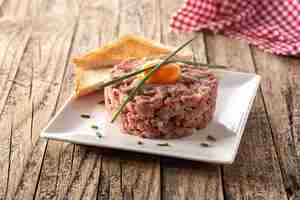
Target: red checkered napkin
x: 272, y: 25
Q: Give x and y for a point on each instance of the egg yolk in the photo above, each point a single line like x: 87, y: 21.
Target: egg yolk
x: 166, y: 74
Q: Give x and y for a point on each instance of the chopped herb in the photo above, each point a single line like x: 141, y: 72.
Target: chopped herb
x: 86, y: 116
x: 211, y: 138
x: 204, y: 144
x: 94, y: 127
x: 201, y: 64
x: 140, y: 143
x: 125, y: 97
x: 98, y: 134
x: 163, y: 144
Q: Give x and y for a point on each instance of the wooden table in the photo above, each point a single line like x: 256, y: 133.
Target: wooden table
x: 37, y: 40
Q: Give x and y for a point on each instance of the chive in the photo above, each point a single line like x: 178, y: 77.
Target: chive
x: 98, y: 134
x: 204, y: 144
x: 147, y: 76
x: 94, y: 127
x: 86, y: 116
x: 163, y: 144
x: 201, y: 64
x: 211, y: 138
x: 140, y: 143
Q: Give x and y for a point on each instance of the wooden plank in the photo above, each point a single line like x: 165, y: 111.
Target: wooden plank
x: 294, y: 107
x: 45, y: 93
x: 110, y: 185
x: 14, y: 35
x: 140, y: 17
x: 129, y: 176
x: 279, y: 88
x: 82, y: 183
x: 13, y: 41
x: 140, y: 177
x: 16, y: 9
x: 293, y: 190
x: 35, y: 93
x: 191, y: 180
x: 256, y: 172
x: 5, y: 149
x: 82, y: 165
x: 56, y: 170
x: 123, y: 174
x: 186, y: 179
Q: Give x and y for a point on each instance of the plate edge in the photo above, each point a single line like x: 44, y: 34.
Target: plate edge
x: 42, y: 134
x: 244, y: 123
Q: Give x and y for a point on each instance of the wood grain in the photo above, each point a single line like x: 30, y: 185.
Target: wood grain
x: 83, y: 181
x: 256, y: 172
x: 5, y: 148
x: 280, y: 88
x: 72, y: 172
x: 14, y: 38
x: 140, y: 177
x: 13, y: 41
x: 110, y: 186
x: 15, y: 9
x: 42, y: 69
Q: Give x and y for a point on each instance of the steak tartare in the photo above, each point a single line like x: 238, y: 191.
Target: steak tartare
x: 164, y: 110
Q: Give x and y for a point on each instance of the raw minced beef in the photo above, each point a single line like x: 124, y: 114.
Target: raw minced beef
x: 165, y: 111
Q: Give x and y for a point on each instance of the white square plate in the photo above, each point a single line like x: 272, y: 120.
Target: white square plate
x: 236, y: 93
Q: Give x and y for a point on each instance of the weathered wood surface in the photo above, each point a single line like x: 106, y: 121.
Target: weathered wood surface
x: 280, y: 88
x: 256, y: 172
x: 37, y: 39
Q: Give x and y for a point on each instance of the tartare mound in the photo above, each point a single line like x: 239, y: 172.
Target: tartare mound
x: 164, y: 110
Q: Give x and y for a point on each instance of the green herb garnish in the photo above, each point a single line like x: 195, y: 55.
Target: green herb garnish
x: 95, y: 127
x: 204, y: 144
x: 211, y: 138
x: 98, y: 134
x: 86, y: 116
x: 147, y: 76
x: 163, y: 144
x: 200, y: 64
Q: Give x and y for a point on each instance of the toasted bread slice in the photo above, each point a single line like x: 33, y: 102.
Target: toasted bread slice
x: 94, y: 67
x: 129, y: 46
x: 87, y: 80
